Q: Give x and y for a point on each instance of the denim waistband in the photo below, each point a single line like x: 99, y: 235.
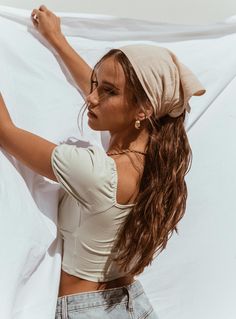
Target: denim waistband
x: 98, y: 298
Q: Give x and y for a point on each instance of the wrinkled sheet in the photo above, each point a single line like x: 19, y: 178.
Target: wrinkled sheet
x: 194, y: 277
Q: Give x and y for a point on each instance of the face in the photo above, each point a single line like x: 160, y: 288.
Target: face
x: 108, y: 99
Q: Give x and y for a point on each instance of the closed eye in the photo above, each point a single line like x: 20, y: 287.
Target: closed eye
x: 110, y: 91
x: 94, y: 85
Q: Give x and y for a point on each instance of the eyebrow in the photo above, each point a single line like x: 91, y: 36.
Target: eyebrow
x: 108, y: 83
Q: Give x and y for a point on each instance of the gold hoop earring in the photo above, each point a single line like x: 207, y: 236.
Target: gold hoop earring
x: 137, y: 124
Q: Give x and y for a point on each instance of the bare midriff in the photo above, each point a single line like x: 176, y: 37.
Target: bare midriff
x: 70, y: 284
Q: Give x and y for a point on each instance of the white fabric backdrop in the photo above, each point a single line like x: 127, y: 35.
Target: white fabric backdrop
x: 195, y: 276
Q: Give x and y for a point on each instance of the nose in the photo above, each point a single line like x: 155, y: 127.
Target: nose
x: 92, y: 98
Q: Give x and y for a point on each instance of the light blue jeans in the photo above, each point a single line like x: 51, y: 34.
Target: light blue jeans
x: 127, y: 302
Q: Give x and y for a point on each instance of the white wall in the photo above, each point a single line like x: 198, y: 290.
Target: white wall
x: 174, y: 11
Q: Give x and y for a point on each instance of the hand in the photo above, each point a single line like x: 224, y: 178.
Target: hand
x: 47, y: 23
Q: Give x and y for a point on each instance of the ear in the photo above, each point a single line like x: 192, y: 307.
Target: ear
x: 144, y: 112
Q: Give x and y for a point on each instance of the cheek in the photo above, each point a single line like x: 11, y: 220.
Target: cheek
x: 115, y: 112
x: 111, y: 108
x: 118, y: 119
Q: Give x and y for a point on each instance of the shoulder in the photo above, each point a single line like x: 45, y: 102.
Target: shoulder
x: 71, y: 154
x: 129, y: 170
x: 86, y: 173
x: 92, y: 160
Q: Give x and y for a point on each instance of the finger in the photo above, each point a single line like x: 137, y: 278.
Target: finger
x: 37, y: 12
x: 33, y: 13
x: 35, y: 19
x: 43, y: 8
x: 35, y: 22
x: 34, y: 16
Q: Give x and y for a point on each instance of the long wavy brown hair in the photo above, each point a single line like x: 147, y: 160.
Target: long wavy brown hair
x: 161, y: 201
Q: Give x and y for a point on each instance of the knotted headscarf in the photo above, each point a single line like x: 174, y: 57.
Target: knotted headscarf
x: 168, y: 83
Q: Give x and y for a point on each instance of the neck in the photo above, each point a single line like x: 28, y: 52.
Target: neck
x: 127, y: 139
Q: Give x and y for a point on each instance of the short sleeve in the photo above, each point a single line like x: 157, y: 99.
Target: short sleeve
x: 86, y: 174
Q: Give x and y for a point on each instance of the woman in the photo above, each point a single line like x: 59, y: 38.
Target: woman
x: 119, y: 206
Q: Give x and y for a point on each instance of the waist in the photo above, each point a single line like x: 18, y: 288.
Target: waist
x: 97, y: 303
x: 70, y: 284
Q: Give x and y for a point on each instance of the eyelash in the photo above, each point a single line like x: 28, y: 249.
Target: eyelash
x: 110, y: 91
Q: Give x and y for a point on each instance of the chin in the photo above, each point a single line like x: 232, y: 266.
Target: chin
x: 94, y: 127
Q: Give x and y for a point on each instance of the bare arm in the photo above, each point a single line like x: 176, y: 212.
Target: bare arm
x: 32, y: 150
x: 78, y: 68
x: 48, y: 24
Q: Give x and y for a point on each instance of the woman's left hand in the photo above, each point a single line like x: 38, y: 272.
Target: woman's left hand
x: 48, y: 24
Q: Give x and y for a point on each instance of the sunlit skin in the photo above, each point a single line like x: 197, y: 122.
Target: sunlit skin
x: 113, y: 113
x: 112, y: 110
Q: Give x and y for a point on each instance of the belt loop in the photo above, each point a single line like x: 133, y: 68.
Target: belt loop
x: 64, y: 307
x: 130, y: 302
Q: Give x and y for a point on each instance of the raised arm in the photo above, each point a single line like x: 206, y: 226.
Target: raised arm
x: 48, y: 24
x: 32, y: 150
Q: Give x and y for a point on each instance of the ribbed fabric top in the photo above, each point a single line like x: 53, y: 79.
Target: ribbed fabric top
x: 89, y: 215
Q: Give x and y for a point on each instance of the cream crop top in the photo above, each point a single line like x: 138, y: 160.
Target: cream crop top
x: 89, y: 215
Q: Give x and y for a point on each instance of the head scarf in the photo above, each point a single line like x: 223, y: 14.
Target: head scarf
x: 168, y: 83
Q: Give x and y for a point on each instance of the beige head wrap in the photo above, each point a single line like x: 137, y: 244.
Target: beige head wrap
x: 168, y: 83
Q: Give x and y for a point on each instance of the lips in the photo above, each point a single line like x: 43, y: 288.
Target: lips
x: 91, y: 114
